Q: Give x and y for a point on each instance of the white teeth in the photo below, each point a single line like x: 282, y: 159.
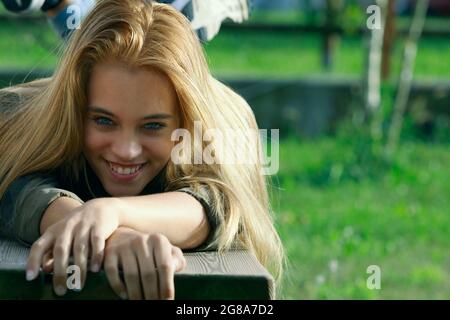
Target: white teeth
x: 124, y: 170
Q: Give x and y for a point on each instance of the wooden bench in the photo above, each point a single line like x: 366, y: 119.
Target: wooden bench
x: 234, y: 275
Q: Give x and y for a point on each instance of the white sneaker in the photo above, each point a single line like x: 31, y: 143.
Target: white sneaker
x: 23, y: 6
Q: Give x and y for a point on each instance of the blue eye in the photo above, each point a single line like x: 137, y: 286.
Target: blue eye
x: 102, y: 121
x: 154, y: 126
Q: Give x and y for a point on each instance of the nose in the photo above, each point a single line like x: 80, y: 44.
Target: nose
x: 126, y: 147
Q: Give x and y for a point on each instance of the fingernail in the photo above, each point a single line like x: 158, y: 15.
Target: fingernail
x: 30, y: 275
x: 123, y: 296
x: 95, y: 268
x: 60, y: 290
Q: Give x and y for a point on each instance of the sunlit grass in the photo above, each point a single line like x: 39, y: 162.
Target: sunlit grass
x: 33, y: 44
x: 334, y: 229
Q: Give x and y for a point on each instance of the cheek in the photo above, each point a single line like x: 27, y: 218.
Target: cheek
x: 94, y: 141
x: 158, y: 150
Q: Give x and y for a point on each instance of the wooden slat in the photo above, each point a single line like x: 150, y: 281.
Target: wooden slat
x: 236, y: 274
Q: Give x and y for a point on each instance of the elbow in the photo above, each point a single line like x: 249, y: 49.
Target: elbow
x: 199, y: 235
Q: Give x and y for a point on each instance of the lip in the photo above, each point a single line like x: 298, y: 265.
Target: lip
x: 121, y: 177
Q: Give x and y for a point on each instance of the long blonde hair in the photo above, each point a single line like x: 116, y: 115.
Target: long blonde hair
x: 46, y: 130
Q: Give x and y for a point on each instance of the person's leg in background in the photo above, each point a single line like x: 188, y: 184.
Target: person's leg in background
x: 206, y: 17
x: 68, y: 15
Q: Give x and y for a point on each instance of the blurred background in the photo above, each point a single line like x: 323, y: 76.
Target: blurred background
x: 364, y: 119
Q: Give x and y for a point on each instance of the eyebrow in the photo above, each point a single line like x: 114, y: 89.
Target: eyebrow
x: 148, y: 117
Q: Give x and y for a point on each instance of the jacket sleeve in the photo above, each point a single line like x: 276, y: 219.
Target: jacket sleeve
x: 202, y: 195
x: 24, y: 203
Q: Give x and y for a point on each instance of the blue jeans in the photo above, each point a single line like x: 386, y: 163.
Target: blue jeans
x: 70, y: 17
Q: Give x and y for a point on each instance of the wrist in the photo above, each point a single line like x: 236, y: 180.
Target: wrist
x: 122, y: 211
x: 58, y: 210
x: 121, y: 234
x: 114, y: 206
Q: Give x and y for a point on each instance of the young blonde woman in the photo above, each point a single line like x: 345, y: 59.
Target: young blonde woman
x: 86, y: 168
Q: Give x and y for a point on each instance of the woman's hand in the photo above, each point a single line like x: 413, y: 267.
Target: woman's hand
x: 83, y: 232
x: 148, y: 263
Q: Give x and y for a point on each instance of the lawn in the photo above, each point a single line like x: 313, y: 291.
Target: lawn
x: 333, y: 229
x: 238, y: 53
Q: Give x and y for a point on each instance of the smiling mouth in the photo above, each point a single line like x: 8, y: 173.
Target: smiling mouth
x: 125, y: 171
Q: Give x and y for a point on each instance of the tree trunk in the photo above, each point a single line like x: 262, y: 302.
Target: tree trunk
x: 388, y: 39
x: 406, y: 75
x: 373, y: 76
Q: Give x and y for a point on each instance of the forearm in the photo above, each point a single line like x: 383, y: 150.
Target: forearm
x: 177, y: 215
x: 58, y: 210
x: 25, y: 202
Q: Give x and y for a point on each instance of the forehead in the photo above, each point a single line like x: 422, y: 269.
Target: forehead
x: 122, y: 88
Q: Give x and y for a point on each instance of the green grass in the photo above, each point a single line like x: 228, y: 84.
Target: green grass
x: 397, y: 220
x: 27, y: 45
x: 278, y: 54
x: 232, y: 53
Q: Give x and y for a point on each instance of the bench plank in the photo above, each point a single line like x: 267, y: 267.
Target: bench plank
x: 236, y: 274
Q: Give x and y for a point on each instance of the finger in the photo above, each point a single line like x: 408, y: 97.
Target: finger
x: 131, y: 274
x: 47, y: 262
x: 98, y: 247
x: 112, y: 274
x: 147, y: 270
x: 180, y: 259
x: 61, y: 252
x: 81, y: 251
x: 165, y: 264
x: 38, y: 249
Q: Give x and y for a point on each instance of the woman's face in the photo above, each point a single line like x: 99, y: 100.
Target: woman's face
x: 131, y: 115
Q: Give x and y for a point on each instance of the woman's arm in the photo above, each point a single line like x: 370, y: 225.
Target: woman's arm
x: 58, y: 210
x: 177, y: 215
x: 24, y: 203
x: 91, y: 224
